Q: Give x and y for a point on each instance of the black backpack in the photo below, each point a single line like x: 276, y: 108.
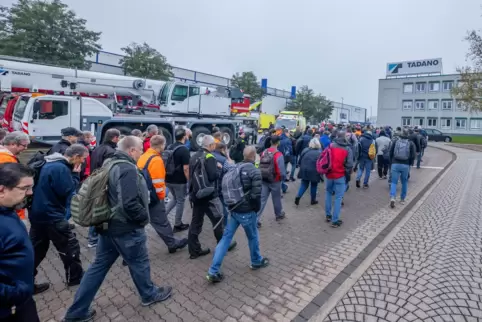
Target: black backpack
x: 35, y: 164
x: 168, y: 158
x: 147, y: 176
x: 266, y: 166
x: 200, y: 186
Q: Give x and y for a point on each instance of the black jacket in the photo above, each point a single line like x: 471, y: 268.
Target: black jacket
x: 59, y: 147
x: 211, y: 170
x: 307, y: 161
x: 237, y: 152
x: 128, y: 195
x: 252, y: 182
x: 416, y: 139
x: 101, y: 153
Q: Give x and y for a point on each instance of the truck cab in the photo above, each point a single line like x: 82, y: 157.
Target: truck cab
x: 42, y: 117
x: 290, y: 120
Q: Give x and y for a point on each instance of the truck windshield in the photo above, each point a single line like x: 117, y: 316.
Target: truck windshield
x: 163, y: 94
x: 20, y: 106
x: 289, y: 124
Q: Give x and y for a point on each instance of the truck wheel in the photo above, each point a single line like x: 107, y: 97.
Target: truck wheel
x: 124, y: 130
x: 167, y: 135
x: 228, y: 136
x: 198, y: 133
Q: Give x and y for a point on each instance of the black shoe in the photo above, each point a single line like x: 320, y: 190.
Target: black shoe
x: 314, y: 202
x: 263, y: 264
x: 337, y: 224
x: 292, y: 179
x: 163, y: 294
x: 328, y: 218
x: 281, y: 217
x: 180, y: 245
x: 365, y: 186
x: 90, y: 317
x: 74, y: 282
x: 232, y: 245
x: 216, y: 278
x: 180, y: 228
x: 297, y: 201
x: 203, y: 252
x: 40, y: 288
x: 342, y: 202
x: 259, y: 225
x: 392, y: 203
x: 358, y: 183
x: 71, y: 226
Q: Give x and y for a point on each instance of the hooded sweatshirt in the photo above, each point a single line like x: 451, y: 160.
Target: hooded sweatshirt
x: 54, y: 190
x: 341, y: 159
x: 17, y: 258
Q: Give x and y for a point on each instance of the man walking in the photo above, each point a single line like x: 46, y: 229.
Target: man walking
x: 16, y: 251
x: 177, y: 181
x: 423, y: 144
x: 272, y: 167
x: 402, y: 156
x: 152, y: 166
x: 364, y: 160
x: 125, y: 235
x: 341, y: 164
x: 57, y: 182
x: 382, y: 144
x: 151, y: 131
x: 244, y: 214
x: 70, y: 135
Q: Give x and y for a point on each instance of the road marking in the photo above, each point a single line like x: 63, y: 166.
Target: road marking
x: 427, y: 167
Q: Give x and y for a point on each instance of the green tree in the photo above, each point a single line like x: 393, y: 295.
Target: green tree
x: 315, y: 107
x: 146, y: 62
x: 248, y: 83
x: 47, y: 32
x: 468, y: 90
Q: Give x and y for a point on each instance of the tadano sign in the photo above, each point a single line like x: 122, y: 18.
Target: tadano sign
x: 425, y: 66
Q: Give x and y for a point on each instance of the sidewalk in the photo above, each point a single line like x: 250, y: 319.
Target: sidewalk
x: 429, y: 267
x: 306, y: 256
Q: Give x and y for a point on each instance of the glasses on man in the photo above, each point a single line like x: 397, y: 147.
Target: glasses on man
x: 24, y: 188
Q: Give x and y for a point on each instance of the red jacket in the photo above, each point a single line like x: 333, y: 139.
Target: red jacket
x: 147, y: 143
x: 341, y: 159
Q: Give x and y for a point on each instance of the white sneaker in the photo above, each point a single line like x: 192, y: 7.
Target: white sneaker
x: 402, y: 202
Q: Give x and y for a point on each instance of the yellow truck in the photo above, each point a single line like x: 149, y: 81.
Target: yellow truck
x: 290, y: 120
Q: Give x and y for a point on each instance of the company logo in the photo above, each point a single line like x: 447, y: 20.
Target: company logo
x: 393, y: 68
x: 20, y: 73
x: 424, y: 63
x: 3, y: 72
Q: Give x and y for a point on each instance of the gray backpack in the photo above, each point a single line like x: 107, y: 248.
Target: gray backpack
x: 232, y: 187
x: 402, y: 150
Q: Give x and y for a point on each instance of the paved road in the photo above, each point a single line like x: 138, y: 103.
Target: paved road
x: 429, y: 269
x: 306, y: 254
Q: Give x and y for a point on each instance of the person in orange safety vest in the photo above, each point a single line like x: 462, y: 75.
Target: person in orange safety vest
x: 152, y: 166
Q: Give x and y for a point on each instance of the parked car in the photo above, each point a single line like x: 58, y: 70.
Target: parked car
x: 436, y: 135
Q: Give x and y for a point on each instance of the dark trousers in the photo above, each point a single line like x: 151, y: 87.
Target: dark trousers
x: 26, y: 312
x: 211, y: 208
x: 160, y: 223
x: 64, y: 240
x: 382, y: 166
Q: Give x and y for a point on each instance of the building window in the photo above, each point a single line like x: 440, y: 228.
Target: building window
x: 447, y: 105
x: 446, y: 124
x: 475, y: 124
x: 408, y: 88
x: 432, y: 122
x: 433, y: 104
x: 447, y: 86
x: 407, y: 105
x: 421, y: 87
x: 406, y: 121
x: 418, y: 121
x: 434, y: 86
x: 460, y: 124
x: 462, y: 106
x: 419, y: 105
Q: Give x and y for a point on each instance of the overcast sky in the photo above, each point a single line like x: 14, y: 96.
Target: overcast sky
x: 338, y: 47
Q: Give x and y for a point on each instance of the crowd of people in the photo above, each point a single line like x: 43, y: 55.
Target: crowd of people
x: 229, y: 186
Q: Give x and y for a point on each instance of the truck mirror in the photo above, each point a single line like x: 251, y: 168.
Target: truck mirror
x: 36, y: 107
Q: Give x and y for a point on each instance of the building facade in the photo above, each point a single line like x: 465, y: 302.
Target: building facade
x: 344, y: 113
x: 425, y: 101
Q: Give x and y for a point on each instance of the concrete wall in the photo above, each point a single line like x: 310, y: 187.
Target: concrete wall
x: 424, y: 106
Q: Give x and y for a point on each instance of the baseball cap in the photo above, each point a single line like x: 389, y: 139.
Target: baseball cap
x: 70, y: 131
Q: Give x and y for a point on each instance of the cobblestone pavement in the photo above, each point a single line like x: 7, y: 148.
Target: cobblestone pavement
x: 430, y: 270
x: 306, y: 254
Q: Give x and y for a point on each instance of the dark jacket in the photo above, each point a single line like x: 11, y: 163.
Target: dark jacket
x: 211, y: 171
x: 251, y: 179
x: 128, y: 195
x: 303, y: 142
x: 286, y: 147
x: 307, y: 163
x: 59, y: 147
x: 416, y: 139
x: 101, y: 153
x: 222, y: 160
x: 17, y: 262
x: 53, y: 191
x: 365, y: 141
x: 237, y: 151
x: 413, y: 154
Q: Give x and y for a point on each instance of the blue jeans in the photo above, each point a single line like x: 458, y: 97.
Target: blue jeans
x: 294, y: 160
x: 132, y: 248
x: 399, y: 171
x: 365, y: 165
x: 284, y: 186
x: 419, y: 158
x: 93, y: 236
x: 304, y: 186
x: 338, y: 186
x: 249, y: 223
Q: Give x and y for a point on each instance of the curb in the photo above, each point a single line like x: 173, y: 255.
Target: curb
x: 317, y: 303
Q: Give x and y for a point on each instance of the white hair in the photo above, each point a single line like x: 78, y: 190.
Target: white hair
x: 152, y: 129
x: 315, y: 144
x: 16, y: 137
x: 129, y: 142
x: 207, y: 141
